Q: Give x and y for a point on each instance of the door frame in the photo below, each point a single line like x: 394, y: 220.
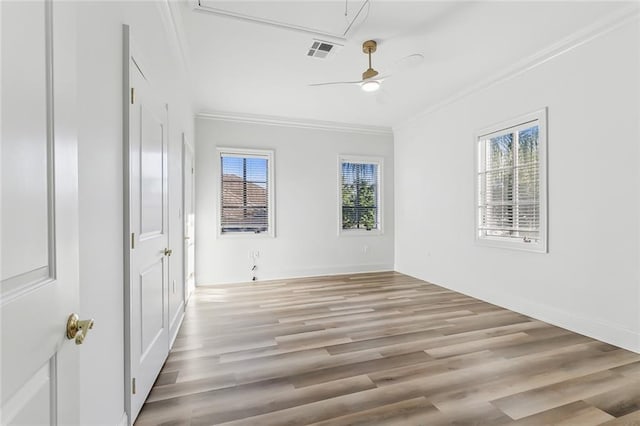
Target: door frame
x: 127, y: 236
x: 186, y: 146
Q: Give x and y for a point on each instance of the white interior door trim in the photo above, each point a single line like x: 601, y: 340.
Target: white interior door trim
x: 188, y: 224
x: 127, y: 237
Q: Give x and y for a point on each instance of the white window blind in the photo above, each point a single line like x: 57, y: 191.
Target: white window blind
x: 510, y: 206
x: 360, y: 195
x: 245, y: 193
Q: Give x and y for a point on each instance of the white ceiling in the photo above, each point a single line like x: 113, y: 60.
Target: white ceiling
x: 246, y: 67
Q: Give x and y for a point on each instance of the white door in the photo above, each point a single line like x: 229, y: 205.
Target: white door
x: 39, y: 257
x: 146, y: 301
x: 188, y: 187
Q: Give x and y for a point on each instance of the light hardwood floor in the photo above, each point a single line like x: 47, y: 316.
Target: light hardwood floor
x: 382, y: 348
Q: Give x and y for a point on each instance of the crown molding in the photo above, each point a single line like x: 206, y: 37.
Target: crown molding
x: 294, y: 122
x: 591, y: 32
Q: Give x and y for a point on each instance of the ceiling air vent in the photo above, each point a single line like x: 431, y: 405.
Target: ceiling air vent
x: 322, y: 49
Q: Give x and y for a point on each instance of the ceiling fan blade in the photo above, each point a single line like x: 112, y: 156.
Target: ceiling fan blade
x: 410, y: 61
x: 382, y: 77
x: 336, y: 82
x: 403, y: 64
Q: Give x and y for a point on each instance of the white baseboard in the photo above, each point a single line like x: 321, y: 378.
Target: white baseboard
x: 175, y: 325
x: 306, y: 272
x: 124, y: 420
x: 605, y: 331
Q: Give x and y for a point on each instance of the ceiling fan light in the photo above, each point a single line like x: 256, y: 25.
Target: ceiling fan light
x: 370, y: 86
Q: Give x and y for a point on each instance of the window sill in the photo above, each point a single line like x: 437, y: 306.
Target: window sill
x: 359, y: 233
x: 512, y: 245
x: 245, y: 235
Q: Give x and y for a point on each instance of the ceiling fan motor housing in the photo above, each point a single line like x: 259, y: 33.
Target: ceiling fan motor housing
x: 369, y: 46
x: 370, y: 73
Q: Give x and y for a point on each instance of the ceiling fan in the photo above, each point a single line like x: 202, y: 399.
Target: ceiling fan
x: 370, y: 81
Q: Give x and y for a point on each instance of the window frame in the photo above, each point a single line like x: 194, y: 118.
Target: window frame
x: 497, y: 129
x: 247, y: 153
x: 361, y: 159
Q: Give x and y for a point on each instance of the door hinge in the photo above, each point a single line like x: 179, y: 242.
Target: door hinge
x: 133, y: 240
x: 133, y: 95
x: 133, y: 386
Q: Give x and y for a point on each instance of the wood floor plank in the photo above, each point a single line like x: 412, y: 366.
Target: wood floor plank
x: 266, y: 368
x: 382, y: 342
x: 632, y: 419
x: 243, y: 406
x: 630, y: 370
x: 548, y: 397
x: 382, y: 349
x: 576, y: 413
x: 448, y: 340
x: 478, y: 414
x: 333, y: 407
x: 517, y: 379
x: 619, y: 401
x: 334, y: 373
x: 409, y: 411
x: 430, y: 368
x: 162, y: 392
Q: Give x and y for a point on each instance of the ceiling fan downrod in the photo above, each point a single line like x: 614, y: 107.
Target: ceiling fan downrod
x: 369, y: 47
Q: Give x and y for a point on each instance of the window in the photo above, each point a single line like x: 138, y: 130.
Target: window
x: 360, y: 194
x: 511, y: 184
x: 246, y: 194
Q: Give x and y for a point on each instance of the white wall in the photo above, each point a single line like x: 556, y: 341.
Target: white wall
x: 589, y: 280
x: 306, y: 195
x: 100, y: 95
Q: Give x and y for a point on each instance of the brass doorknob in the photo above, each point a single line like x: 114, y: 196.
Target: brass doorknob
x: 78, y: 328
x: 168, y: 252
